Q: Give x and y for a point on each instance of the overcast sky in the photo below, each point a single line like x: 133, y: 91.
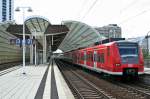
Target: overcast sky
x: 133, y: 16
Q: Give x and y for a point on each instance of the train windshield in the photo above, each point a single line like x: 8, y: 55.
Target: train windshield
x: 129, y: 53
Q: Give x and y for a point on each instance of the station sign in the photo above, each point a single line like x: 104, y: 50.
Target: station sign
x: 19, y: 41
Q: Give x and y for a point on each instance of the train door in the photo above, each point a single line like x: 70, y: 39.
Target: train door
x: 91, y: 59
x: 76, y: 57
x: 84, y: 57
x: 100, y: 58
x: 95, y: 59
x: 79, y: 59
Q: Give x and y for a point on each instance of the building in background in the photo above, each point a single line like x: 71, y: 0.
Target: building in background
x: 146, y: 44
x: 110, y: 31
x: 6, y: 10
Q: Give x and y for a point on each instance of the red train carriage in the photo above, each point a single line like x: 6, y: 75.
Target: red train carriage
x: 115, y: 58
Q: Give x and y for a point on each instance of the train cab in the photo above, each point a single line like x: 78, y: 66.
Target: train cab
x: 131, y: 58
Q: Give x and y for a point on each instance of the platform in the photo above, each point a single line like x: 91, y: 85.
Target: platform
x: 39, y: 82
x: 57, y: 85
x: 147, y: 70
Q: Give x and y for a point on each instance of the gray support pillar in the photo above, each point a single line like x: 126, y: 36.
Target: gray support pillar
x: 149, y: 45
x: 31, y: 51
x: 44, y: 49
x: 37, y: 55
x: 50, y: 50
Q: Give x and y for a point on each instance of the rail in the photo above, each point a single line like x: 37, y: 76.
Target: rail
x: 82, y: 88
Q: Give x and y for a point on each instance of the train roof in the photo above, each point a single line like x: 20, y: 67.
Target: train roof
x: 108, y: 44
x: 108, y: 40
x: 125, y: 41
x: 120, y: 42
x: 111, y: 43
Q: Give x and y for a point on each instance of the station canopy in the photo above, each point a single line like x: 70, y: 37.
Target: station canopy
x: 40, y: 26
x: 67, y: 36
x: 80, y: 35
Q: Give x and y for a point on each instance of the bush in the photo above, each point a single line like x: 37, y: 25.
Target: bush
x: 146, y: 56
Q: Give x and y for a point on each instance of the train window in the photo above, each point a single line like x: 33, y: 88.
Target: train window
x: 84, y: 56
x: 98, y: 58
x: 87, y: 56
x: 102, y: 58
x: 108, y: 51
x: 75, y: 57
x: 91, y: 56
x: 78, y: 56
x: 128, y: 50
x: 95, y: 57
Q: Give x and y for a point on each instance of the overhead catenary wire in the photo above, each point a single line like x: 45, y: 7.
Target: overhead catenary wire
x: 130, y: 18
x: 126, y: 8
x: 129, y: 5
x: 82, y: 8
x: 91, y: 7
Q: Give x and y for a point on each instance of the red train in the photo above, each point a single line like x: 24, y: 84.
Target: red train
x: 115, y: 58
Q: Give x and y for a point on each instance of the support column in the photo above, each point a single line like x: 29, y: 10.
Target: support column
x: 31, y: 51
x: 35, y: 55
x: 44, y: 49
x: 49, y: 51
x: 148, y: 44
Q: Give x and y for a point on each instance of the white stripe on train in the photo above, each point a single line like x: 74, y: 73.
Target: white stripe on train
x: 105, y: 71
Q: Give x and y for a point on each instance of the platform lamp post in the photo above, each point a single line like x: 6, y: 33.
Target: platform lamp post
x: 110, y: 34
x: 35, y: 46
x: 23, y: 42
x: 148, y: 43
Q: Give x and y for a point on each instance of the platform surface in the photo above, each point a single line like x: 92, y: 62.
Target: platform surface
x: 63, y: 90
x: 15, y: 85
x: 147, y: 70
x: 57, y: 85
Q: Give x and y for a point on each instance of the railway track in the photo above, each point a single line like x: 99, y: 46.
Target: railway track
x: 139, y: 87
x: 145, y: 79
x: 8, y: 67
x: 142, y: 87
x: 9, y: 70
x: 82, y: 88
x: 134, y: 90
x: 116, y: 89
x: 4, y: 66
x: 142, y: 92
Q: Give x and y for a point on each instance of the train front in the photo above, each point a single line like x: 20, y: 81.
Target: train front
x: 131, y: 58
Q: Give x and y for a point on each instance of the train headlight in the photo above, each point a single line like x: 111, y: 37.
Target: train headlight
x: 117, y: 64
x: 141, y: 64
